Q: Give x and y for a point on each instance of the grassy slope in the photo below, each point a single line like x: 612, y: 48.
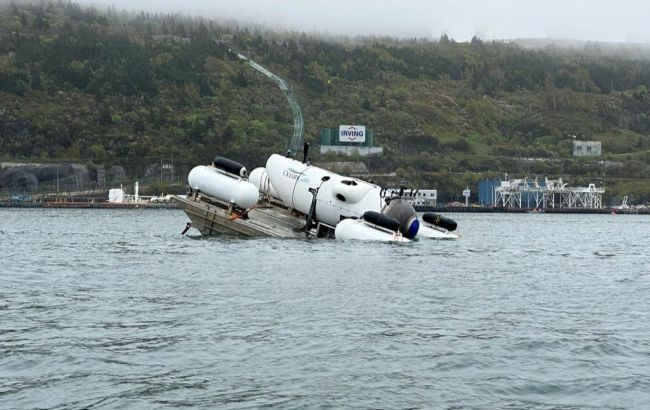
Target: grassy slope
x: 435, y: 131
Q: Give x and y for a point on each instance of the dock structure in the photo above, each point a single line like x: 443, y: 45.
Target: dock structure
x: 551, y: 194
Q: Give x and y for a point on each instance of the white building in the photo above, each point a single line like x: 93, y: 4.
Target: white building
x: 587, y: 148
x: 416, y: 197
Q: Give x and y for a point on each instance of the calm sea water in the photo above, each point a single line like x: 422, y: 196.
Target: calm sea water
x: 115, y: 309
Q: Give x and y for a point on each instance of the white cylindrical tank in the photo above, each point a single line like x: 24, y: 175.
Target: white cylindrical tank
x: 337, y: 198
x: 115, y: 195
x: 260, y: 179
x: 430, y: 232
x: 229, y: 188
x: 360, y: 230
x: 292, y: 179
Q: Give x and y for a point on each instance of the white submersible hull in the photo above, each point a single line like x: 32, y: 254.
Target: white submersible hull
x: 289, y: 198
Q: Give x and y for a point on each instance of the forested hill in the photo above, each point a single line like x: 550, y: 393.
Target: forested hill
x: 107, y: 87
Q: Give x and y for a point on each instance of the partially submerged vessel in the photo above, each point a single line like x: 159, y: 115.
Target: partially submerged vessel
x: 291, y: 199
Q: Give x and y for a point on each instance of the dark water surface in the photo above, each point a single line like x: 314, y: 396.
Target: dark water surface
x: 114, y: 309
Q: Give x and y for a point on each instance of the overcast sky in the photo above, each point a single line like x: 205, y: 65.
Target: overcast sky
x: 599, y: 20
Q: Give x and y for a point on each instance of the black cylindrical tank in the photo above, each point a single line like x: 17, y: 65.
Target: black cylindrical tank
x: 382, y: 220
x: 440, y: 221
x: 230, y: 166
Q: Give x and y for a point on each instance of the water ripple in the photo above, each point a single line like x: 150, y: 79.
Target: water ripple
x: 100, y: 310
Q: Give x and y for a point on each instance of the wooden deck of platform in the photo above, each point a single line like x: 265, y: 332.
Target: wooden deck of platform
x: 210, y: 217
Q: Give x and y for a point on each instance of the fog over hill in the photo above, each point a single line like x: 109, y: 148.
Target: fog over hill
x: 597, y: 20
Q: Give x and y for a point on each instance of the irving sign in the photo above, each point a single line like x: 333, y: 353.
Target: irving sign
x: 352, y: 133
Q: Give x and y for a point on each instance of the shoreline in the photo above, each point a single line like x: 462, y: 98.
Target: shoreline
x: 89, y: 205
x: 586, y: 211
x: 438, y: 209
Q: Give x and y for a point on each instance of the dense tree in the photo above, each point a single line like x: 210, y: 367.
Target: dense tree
x: 107, y: 85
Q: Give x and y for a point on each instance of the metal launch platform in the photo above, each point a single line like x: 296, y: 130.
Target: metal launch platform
x: 211, y: 216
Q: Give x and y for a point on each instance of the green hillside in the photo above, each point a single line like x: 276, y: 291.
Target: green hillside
x: 111, y: 88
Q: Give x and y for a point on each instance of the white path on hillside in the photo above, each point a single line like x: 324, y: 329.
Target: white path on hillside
x: 298, y: 121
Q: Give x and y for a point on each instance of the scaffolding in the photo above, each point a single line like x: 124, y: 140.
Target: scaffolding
x: 553, y: 193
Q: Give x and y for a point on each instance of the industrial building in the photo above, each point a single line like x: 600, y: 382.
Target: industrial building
x: 587, y: 148
x: 486, y: 193
x: 348, y: 140
x: 524, y: 193
x: 416, y: 197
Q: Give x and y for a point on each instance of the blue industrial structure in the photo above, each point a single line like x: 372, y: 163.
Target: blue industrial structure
x: 486, y: 191
x: 487, y: 194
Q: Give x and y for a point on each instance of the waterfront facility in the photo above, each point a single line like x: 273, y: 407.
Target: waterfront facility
x: 551, y: 193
